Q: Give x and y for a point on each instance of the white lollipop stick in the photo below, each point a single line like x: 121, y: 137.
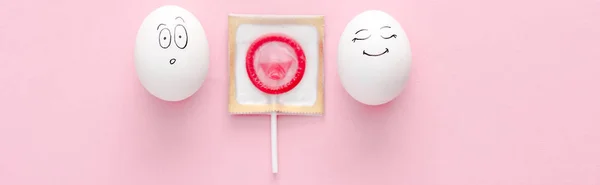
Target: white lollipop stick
x: 274, y: 163
x: 275, y: 166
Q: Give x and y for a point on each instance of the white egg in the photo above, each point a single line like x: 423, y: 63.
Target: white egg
x: 171, y: 53
x: 374, y: 58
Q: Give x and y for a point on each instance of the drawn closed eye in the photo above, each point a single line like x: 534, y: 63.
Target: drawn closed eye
x: 391, y: 36
x: 355, y: 39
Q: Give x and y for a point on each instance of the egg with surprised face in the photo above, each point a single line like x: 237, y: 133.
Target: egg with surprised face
x: 374, y: 58
x: 171, y: 53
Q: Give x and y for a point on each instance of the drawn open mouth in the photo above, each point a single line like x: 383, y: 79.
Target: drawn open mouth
x: 276, y: 71
x: 172, y: 61
x: 374, y: 55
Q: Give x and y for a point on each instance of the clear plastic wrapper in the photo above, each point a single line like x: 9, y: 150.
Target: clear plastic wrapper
x: 285, y: 72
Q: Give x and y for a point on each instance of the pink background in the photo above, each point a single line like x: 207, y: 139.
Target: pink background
x: 501, y: 93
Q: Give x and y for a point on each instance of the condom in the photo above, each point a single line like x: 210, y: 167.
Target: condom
x: 275, y: 63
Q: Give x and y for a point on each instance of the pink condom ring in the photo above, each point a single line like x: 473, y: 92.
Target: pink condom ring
x: 263, y: 50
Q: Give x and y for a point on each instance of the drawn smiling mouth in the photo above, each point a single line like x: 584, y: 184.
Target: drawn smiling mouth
x: 374, y: 55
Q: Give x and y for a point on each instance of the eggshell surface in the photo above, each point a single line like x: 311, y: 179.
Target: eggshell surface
x: 374, y: 58
x: 171, y: 53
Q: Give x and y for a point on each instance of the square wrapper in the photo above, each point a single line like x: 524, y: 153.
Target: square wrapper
x: 307, y: 97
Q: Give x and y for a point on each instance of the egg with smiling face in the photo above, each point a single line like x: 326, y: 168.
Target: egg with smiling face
x: 374, y: 58
x: 171, y: 53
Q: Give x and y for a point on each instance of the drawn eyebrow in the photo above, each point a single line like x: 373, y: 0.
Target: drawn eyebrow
x: 161, y: 24
x: 179, y: 17
x: 386, y: 27
x: 360, y: 31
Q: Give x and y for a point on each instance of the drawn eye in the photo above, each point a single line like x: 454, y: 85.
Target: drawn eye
x: 181, y: 36
x: 164, y: 38
x: 355, y: 39
x: 392, y: 36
